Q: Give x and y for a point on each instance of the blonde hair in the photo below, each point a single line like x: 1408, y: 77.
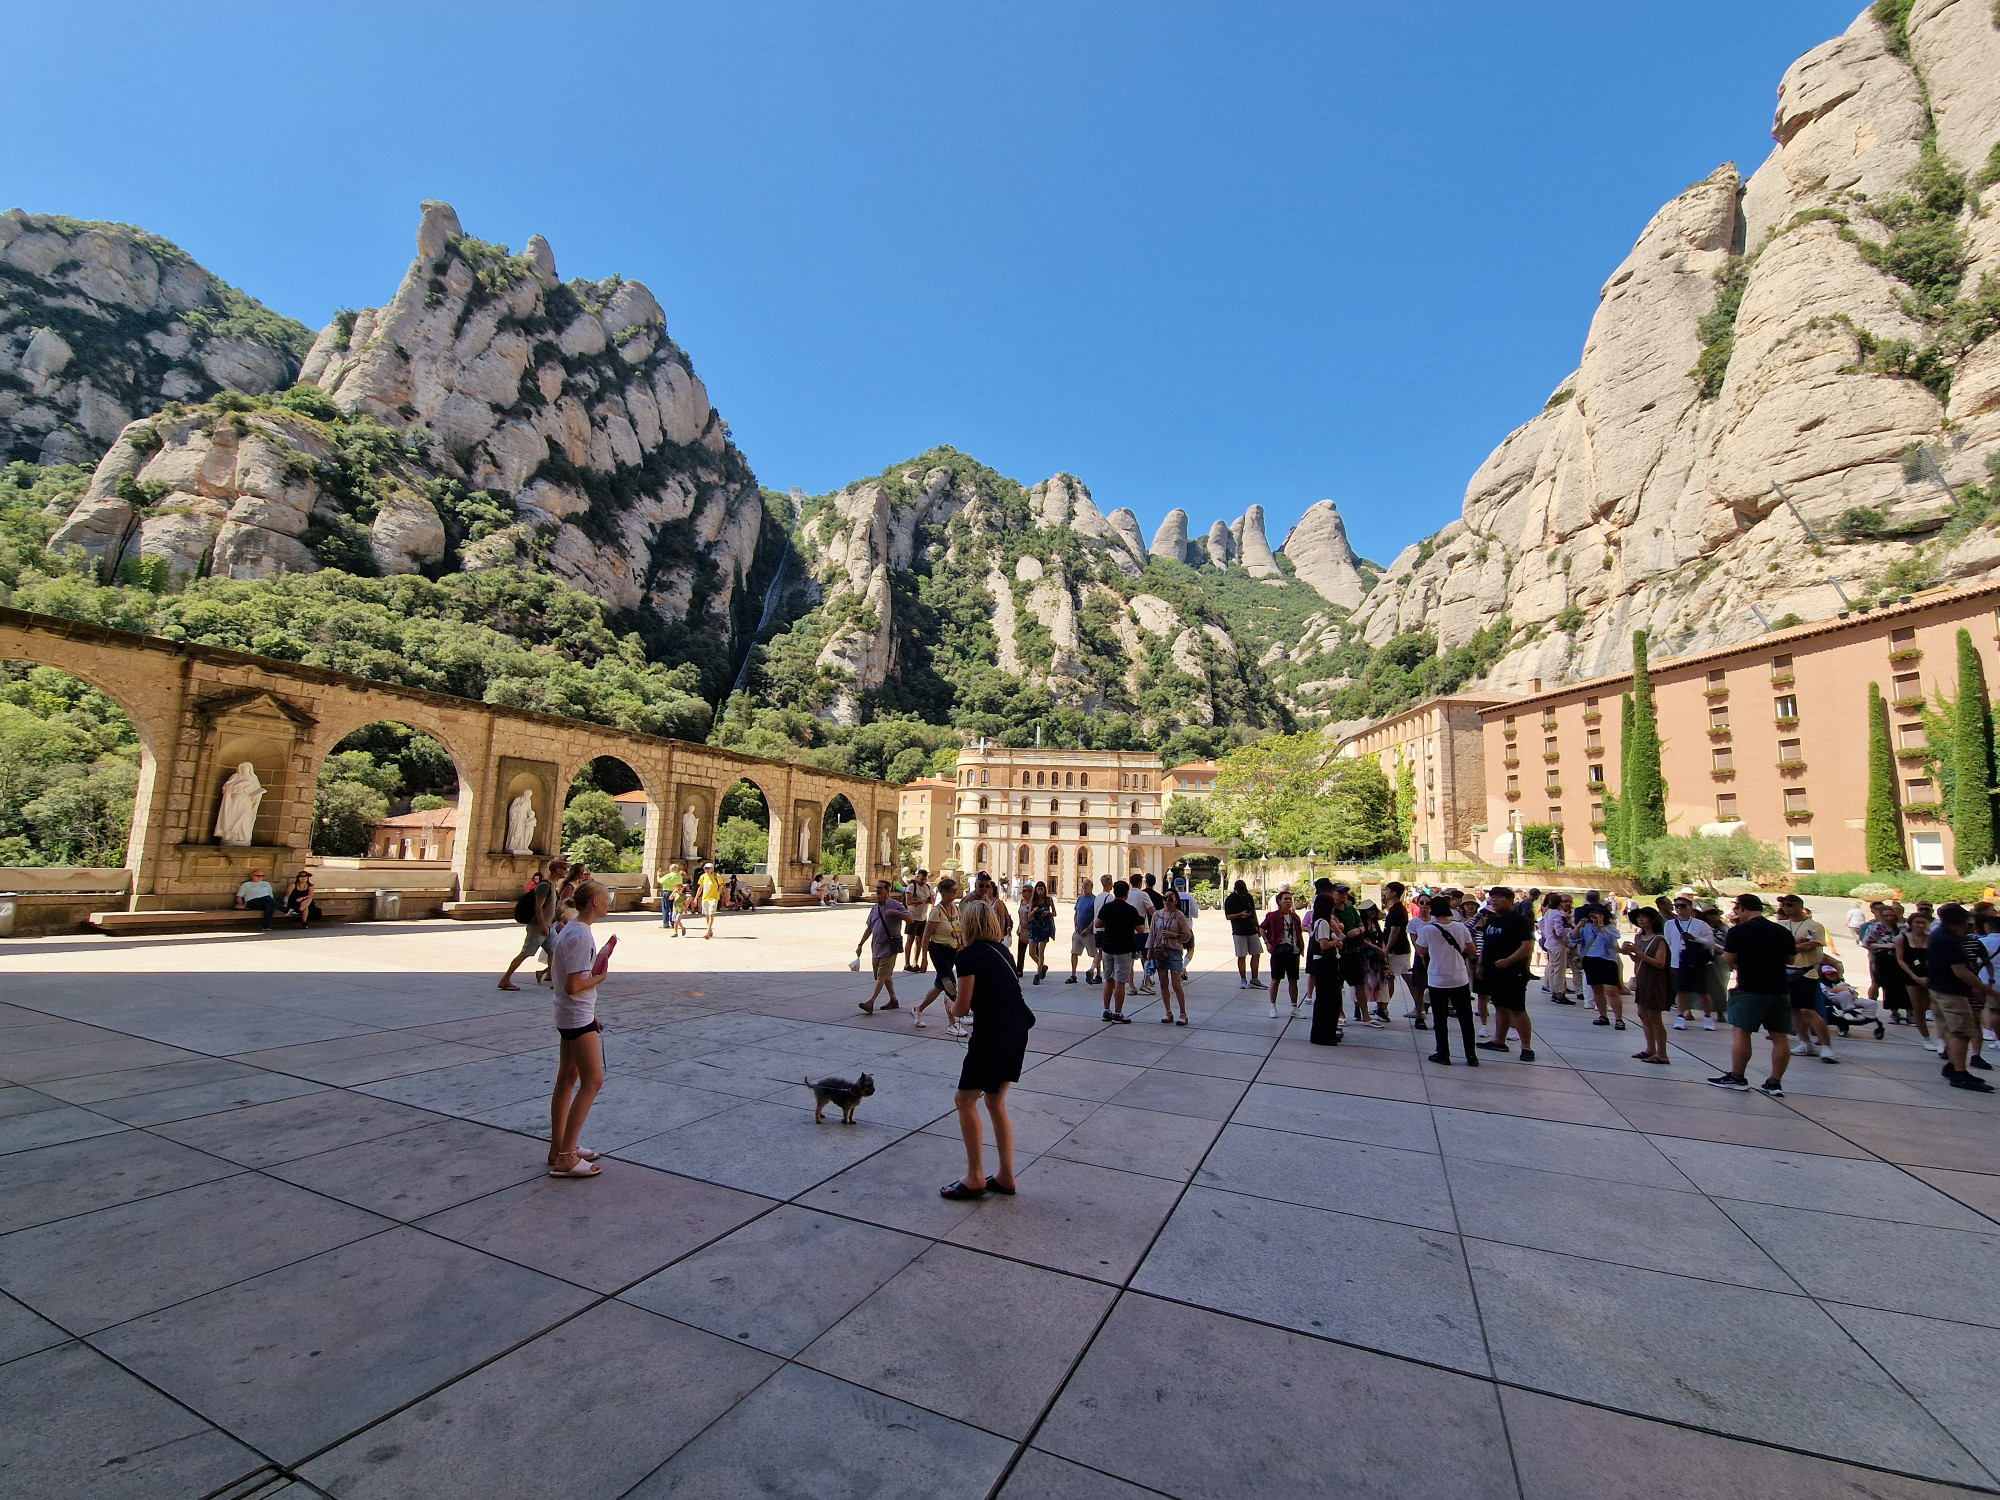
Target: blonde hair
x: 586, y: 893
x: 978, y: 922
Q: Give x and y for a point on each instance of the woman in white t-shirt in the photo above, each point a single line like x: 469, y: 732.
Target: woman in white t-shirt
x: 580, y: 1064
x: 1447, y: 943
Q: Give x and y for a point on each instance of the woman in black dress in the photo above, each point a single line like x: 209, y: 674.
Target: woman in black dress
x: 989, y: 986
x: 1323, y: 944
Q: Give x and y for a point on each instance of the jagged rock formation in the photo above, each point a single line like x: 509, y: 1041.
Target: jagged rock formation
x: 560, y: 413
x: 1170, y: 542
x: 1221, y: 550
x: 942, y: 567
x: 1254, y: 546
x: 1775, y: 334
x: 1320, y: 555
x: 100, y: 323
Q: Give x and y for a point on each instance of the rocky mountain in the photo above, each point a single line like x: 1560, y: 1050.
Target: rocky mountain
x: 945, y: 589
x: 490, y: 414
x: 102, y: 323
x: 1792, y: 381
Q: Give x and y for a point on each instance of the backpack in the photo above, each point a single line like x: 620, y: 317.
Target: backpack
x: 525, y: 904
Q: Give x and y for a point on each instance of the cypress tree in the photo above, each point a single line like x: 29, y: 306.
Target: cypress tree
x: 1644, y: 794
x: 1884, y: 838
x: 1617, y: 816
x: 1971, y: 809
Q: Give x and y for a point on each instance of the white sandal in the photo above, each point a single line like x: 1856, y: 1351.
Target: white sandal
x: 581, y: 1169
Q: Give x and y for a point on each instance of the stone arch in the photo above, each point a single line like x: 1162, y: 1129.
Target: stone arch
x: 980, y: 857
x: 97, y: 830
x: 733, y: 807
x: 1024, y: 861
x: 637, y: 800
x: 399, y: 770
x: 350, y: 713
x: 841, y: 831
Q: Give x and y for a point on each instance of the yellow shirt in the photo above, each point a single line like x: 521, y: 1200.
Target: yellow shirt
x: 710, y: 888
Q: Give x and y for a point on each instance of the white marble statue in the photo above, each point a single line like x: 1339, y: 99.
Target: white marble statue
x: 690, y: 835
x: 242, y: 795
x: 805, y: 841
x: 888, y: 852
x: 521, y: 824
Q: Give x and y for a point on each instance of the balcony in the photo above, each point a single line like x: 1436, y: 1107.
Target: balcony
x: 1909, y: 703
x: 1791, y: 768
x: 1549, y: 721
x: 1915, y: 756
x: 1715, y: 694
x: 1790, y: 722
x: 1593, y: 715
x: 1923, y: 812
x: 1784, y: 679
x: 1593, y: 749
x: 1510, y: 733
x: 1513, y: 794
x: 1798, y: 815
x: 1718, y: 731
x: 1597, y: 825
x: 1510, y: 759
x: 1908, y: 653
x: 1723, y: 773
x: 1552, y: 756
x: 1553, y: 790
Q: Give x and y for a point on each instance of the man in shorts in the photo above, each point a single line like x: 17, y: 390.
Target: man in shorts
x: 1952, y: 965
x: 917, y: 896
x: 1117, y: 925
x: 882, y: 934
x: 1240, y: 907
x: 1083, y: 934
x: 1506, y: 939
x: 1396, y: 929
x: 708, y: 890
x: 535, y: 931
x: 1760, y: 952
x: 1691, y: 951
x: 1815, y: 1037
x: 1284, y: 935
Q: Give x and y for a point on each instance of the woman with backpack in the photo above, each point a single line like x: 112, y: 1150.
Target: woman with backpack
x: 1323, y: 958
x: 1167, y: 938
x: 535, y: 910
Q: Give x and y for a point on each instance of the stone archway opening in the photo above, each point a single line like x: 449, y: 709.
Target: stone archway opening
x: 743, y: 830
x: 605, y: 816
x: 70, y: 767
x: 839, y: 827
x: 386, y: 791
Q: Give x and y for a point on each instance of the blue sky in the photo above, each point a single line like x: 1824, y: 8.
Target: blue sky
x: 1199, y: 255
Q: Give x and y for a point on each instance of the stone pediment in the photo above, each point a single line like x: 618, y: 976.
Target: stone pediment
x: 254, y: 704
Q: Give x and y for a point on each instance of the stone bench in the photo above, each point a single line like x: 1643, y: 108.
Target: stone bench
x: 336, y: 909
x: 479, y: 911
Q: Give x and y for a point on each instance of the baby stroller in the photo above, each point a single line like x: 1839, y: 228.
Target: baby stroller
x: 1844, y: 1006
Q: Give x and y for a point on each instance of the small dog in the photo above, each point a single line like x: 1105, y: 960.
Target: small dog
x: 838, y: 1091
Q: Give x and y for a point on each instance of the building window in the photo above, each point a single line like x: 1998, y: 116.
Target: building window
x: 1795, y: 799
x: 1024, y: 826
x: 1907, y: 687
x: 982, y: 804
x: 1600, y: 854
x: 1069, y: 779
x: 1083, y: 780
x: 1513, y: 786
x: 1135, y: 809
x: 1593, y: 739
x: 1718, y: 716
x: 1597, y: 812
x: 1555, y: 817
x: 1912, y: 737
x: 1791, y: 750
x: 1801, y: 851
x: 1083, y: 830
x: 1083, y: 854
x: 1055, y: 857
x: 1549, y: 746
x: 982, y: 778
x: 1135, y: 827
x: 1784, y: 706
x: 1919, y: 789
x: 1722, y: 758
x: 1590, y: 705
x: 1927, y: 853
x: 1781, y: 666
x: 1717, y: 678
x: 1054, y: 831
x: 1902, y: 636
x: 1725, y: 808
x: 1055, y: 805
x: 1025, y: 860
x: 1510, y: 717
x: 982, y: 828
x: 979, y: 858
x: 1555, y: 778
x: 1595, y: 775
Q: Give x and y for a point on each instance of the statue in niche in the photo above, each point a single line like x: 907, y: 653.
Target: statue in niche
x: 805, y: 841
x: 690, y: 833
x: 888, y: 851
x: 242, y: 795
x: 521, y: 824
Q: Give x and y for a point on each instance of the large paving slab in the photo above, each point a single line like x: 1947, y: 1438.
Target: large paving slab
x: 275, y: 1220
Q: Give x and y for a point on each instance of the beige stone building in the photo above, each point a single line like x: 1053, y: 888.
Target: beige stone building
x: 924, y: 812
x: 1770, y: 736
x: 1063, y: 816
x: 1441, y: 740
x: 428, y: 835
x: 1196, y: 780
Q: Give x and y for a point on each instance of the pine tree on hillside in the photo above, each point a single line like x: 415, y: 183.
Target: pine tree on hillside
x: 1883, y: 840
x: 1971, y: 807
x: 1643, y: 796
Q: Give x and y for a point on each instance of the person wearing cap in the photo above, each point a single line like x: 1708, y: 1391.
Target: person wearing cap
x: 1691, y: 951
x: 1760, y: 952
x: 1815, y: 1037
x: 708, y: 890
x: 1953, y: 965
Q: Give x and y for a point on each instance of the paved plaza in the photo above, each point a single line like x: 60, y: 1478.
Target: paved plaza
x: 273, y: 1220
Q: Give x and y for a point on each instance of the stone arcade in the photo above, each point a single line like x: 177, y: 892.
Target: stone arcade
x: 201, y: 713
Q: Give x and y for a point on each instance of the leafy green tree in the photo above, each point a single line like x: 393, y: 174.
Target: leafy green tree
x: 1643, y: 795
x: 1538, y: 845
x: 594, y: 852
x: 1187, y: 818
x: 359, y: 765
x: 1288, y: 795
x: 1616, y: 818
x: 836, y: 850
x: 83, y: 816
x: 594, y: 814
x: 345, y: 812
x: 1883, y: 839
x: 1971, y: 807
x: 739, y: 845
x: 1702, y: 859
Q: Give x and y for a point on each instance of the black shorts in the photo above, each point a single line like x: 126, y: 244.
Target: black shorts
x: 993, y: 1058
x: 571, y: 1033
x: 1508, y: 994
x: 944, y: 959
x: 1285, y: 964
x: 1600, y: 971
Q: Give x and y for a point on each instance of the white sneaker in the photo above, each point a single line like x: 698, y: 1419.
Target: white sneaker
x: 1932, y: 1044
x: 1485, y: 1033
x: 1274, y: 1010
x: 1708, y: 1023
x: 1826, y: 1055
x: 1680, y: 1023
x: 1802, y: 1049
x: 1987, y: 1033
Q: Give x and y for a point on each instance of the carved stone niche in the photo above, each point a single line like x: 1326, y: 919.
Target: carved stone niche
x: 697, y: 800
x: 513, y: 777
x: 259, y: 727
x: 802, y: 834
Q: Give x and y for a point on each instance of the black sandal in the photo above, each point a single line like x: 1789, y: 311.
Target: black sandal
x: 958, y: 1189
x: 993, y: 1186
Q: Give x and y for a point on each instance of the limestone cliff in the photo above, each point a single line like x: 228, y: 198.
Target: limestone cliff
x: 1768, y: 359
x: 1320, y: 555
x: 489, y: 414
x: 101, y: 323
